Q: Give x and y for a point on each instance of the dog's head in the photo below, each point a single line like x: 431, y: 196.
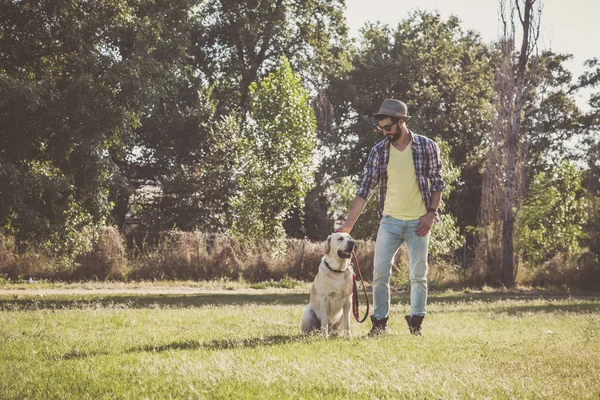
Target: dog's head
x: 339, y: 245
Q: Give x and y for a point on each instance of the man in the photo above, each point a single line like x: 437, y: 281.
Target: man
x: 407, y: 168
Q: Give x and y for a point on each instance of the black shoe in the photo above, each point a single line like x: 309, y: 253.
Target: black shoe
x: 379, y: 326
x: 414, y: 324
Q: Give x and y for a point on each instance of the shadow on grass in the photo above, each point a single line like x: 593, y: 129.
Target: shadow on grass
x: 78, y: 355
x: 584, y: 303
x: 220, y: 344
x: 146, y: 301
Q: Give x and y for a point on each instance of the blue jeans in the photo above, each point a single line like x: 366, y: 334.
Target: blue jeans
x: 391, y: 235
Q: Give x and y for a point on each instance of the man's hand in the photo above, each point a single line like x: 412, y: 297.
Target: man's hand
x: 346, y: 228
x: 425, y: 225
x: 358, y: 206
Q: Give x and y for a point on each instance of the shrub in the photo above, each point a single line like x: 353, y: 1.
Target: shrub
x: 30, y: 263
x: 564, y: 273
x: 106, y: 260
x: 589, y: 273
x: 7, y: 252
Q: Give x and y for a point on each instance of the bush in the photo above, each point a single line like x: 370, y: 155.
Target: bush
x: 30, y: 263
x: 175, y: 255
x: 564, y: 273
x: 106, y: 260
x: 7, y: 252
x: 200, y: 256
x: 589, y: 273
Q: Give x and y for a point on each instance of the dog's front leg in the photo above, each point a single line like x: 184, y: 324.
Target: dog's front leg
x: 325, y: 317
x: 346, y: 316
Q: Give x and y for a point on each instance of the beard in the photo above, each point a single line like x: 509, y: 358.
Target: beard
x: 393, y: 136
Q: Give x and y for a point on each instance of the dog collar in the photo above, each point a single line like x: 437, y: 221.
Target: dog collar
x: 339, y: 271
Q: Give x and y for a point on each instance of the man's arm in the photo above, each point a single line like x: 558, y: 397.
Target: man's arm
x: 428, y: 219
x: 436, y: 197
x: 358, y: 205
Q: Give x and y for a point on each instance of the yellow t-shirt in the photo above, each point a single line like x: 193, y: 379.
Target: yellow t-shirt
x: 403, y: 199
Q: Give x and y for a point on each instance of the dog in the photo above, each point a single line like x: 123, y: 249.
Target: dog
x: 330, y: 301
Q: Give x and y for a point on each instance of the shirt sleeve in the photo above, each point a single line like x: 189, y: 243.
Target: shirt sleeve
x: 434, y: 168
x: 370, y: 176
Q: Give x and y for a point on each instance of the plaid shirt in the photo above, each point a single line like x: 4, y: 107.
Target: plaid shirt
x: 428, y: 166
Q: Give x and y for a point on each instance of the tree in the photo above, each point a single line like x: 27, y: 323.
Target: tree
x: 64, y: 103
x: 172, y: 105
x: 553, y: 215
x: 238, y: 42
x: 592, y: 186
x: 445, y: 76
x: 510, y: 113
x: 277, y: 166
x: 591, y: 138
x: 551, y: 120
x: 551, y: 117
x: 77, y: 81
x: 186, y: 155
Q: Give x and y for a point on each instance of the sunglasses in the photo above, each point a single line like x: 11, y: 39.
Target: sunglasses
x: 386, y: 127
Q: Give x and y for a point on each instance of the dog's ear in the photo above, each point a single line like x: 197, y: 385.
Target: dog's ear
x: 328, y: 247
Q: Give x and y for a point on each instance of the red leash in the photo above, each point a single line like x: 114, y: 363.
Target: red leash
x: 355, y: 293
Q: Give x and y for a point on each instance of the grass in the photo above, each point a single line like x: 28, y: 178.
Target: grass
x: 245, y: 344
x: 217, y: 284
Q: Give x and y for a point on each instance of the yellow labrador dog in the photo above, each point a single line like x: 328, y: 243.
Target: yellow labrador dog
x: 331, y: 292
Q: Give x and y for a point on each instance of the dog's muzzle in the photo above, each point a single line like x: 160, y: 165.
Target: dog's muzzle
x: 347, y: 252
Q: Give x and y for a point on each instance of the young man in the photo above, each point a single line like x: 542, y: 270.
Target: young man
x: 407, y: 168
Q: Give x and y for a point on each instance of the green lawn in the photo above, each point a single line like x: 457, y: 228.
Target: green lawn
x: 247, y: 345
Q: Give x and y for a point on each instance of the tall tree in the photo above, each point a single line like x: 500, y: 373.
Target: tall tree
x: 277, y: 165
x: 551, y: 120
x: 172, y: 105
x: 591, y: 138
x: 551, y: 117
x: 66, y: 98
x: 513, y: 81
x: 184, y: 158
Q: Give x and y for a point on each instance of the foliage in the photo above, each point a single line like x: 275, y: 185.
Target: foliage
x: 135, y: 114
x: 74, y: 77
x: 189, y: 163
x: 175, y: 172
x: 277, y: 166
x: 553, y: 215
x: 340, y: 196
x: 444, y: 75
x: 591, y: 183
x: 106, y: 260
x: 239, y: 42
x: 445, y: 236
x: 551, y: 117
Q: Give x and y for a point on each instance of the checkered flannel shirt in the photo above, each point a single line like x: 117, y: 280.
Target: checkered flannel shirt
x: 428, y: 167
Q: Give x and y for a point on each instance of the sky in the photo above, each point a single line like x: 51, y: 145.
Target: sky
x: 567, y: 26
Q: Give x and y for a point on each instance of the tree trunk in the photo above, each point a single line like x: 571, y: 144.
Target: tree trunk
x: 512, y: 144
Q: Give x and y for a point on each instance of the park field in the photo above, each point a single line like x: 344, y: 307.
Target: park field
x: 245, y: 343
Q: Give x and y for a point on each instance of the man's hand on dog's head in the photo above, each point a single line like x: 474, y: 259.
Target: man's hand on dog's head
x: 344, y: 228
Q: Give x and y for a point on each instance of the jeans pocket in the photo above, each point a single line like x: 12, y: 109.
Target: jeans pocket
x: 386, y: 219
